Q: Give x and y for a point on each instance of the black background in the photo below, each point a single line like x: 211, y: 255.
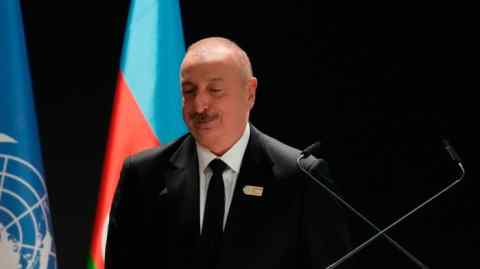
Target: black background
x: 379, y: 85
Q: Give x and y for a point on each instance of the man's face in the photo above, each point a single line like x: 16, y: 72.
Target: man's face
x: 216, y: 99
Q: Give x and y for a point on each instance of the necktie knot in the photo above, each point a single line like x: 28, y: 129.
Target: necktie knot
x: 217, y: 166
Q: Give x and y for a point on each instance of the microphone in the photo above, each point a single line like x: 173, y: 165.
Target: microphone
x: 455, y: 157
x: 451, y: 151
x: 307, y: 152
x: 311, y: 149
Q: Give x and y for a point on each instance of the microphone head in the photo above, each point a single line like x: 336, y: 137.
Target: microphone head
x: 445, y: 142
x: 311, y: 149
x: 451, y: 151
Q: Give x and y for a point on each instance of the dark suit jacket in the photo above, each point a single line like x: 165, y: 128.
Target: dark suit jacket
x: 154, y: 222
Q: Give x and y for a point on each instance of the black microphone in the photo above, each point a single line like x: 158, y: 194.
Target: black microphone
x: 313, y: 148
x: 451, y: 151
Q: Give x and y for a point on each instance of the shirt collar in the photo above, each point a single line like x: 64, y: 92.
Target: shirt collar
x: 233, y: 157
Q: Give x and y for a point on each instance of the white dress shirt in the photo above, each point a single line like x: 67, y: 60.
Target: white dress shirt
x: 233, y: 159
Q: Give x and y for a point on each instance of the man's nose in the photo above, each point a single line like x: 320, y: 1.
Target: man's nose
x: 201, y: 102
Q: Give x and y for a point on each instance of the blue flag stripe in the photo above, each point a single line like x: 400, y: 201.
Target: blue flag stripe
x: 151, y: 57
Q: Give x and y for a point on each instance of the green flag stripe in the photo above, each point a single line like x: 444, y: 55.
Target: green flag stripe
x: 90, y: 263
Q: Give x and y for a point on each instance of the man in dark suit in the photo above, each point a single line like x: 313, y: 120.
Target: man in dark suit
x: 225, y: 195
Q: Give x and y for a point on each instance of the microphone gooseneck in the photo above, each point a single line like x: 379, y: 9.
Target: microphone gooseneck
x: 351, y: 208
x: 455, y: 157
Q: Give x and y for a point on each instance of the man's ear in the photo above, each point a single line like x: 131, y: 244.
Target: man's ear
x: 252, y: 90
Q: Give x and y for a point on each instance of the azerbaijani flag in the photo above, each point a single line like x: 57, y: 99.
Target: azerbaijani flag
x: 26, y: 233
x: 147, y: 102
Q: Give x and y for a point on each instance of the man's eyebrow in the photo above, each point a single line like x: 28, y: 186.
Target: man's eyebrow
x: 215, y: 79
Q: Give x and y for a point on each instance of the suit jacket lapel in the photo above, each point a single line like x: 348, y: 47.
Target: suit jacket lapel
x: 247, y: 210
x: 183, y: 193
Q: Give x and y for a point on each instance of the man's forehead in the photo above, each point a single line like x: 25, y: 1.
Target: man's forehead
x: 186, y: 81
x: 208, y: 63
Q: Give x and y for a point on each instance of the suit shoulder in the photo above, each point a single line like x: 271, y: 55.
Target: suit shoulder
x: 285, y: 157
x: 282, y: 155
x: 276, y: 147
x: 157, y: 154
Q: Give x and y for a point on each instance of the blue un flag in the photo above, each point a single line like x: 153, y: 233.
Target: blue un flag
x: 26, y: 234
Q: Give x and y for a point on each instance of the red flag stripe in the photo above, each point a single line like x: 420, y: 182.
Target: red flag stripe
x: 129, y: 133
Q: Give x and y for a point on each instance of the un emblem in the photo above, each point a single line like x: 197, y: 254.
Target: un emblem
x: 26, y: 240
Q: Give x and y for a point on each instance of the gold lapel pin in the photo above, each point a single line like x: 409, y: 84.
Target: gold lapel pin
x: 253, y: 190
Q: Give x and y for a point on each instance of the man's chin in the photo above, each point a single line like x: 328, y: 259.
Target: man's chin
x: 205, y: 128
x: 204, y: 134
x: 208, y: 143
